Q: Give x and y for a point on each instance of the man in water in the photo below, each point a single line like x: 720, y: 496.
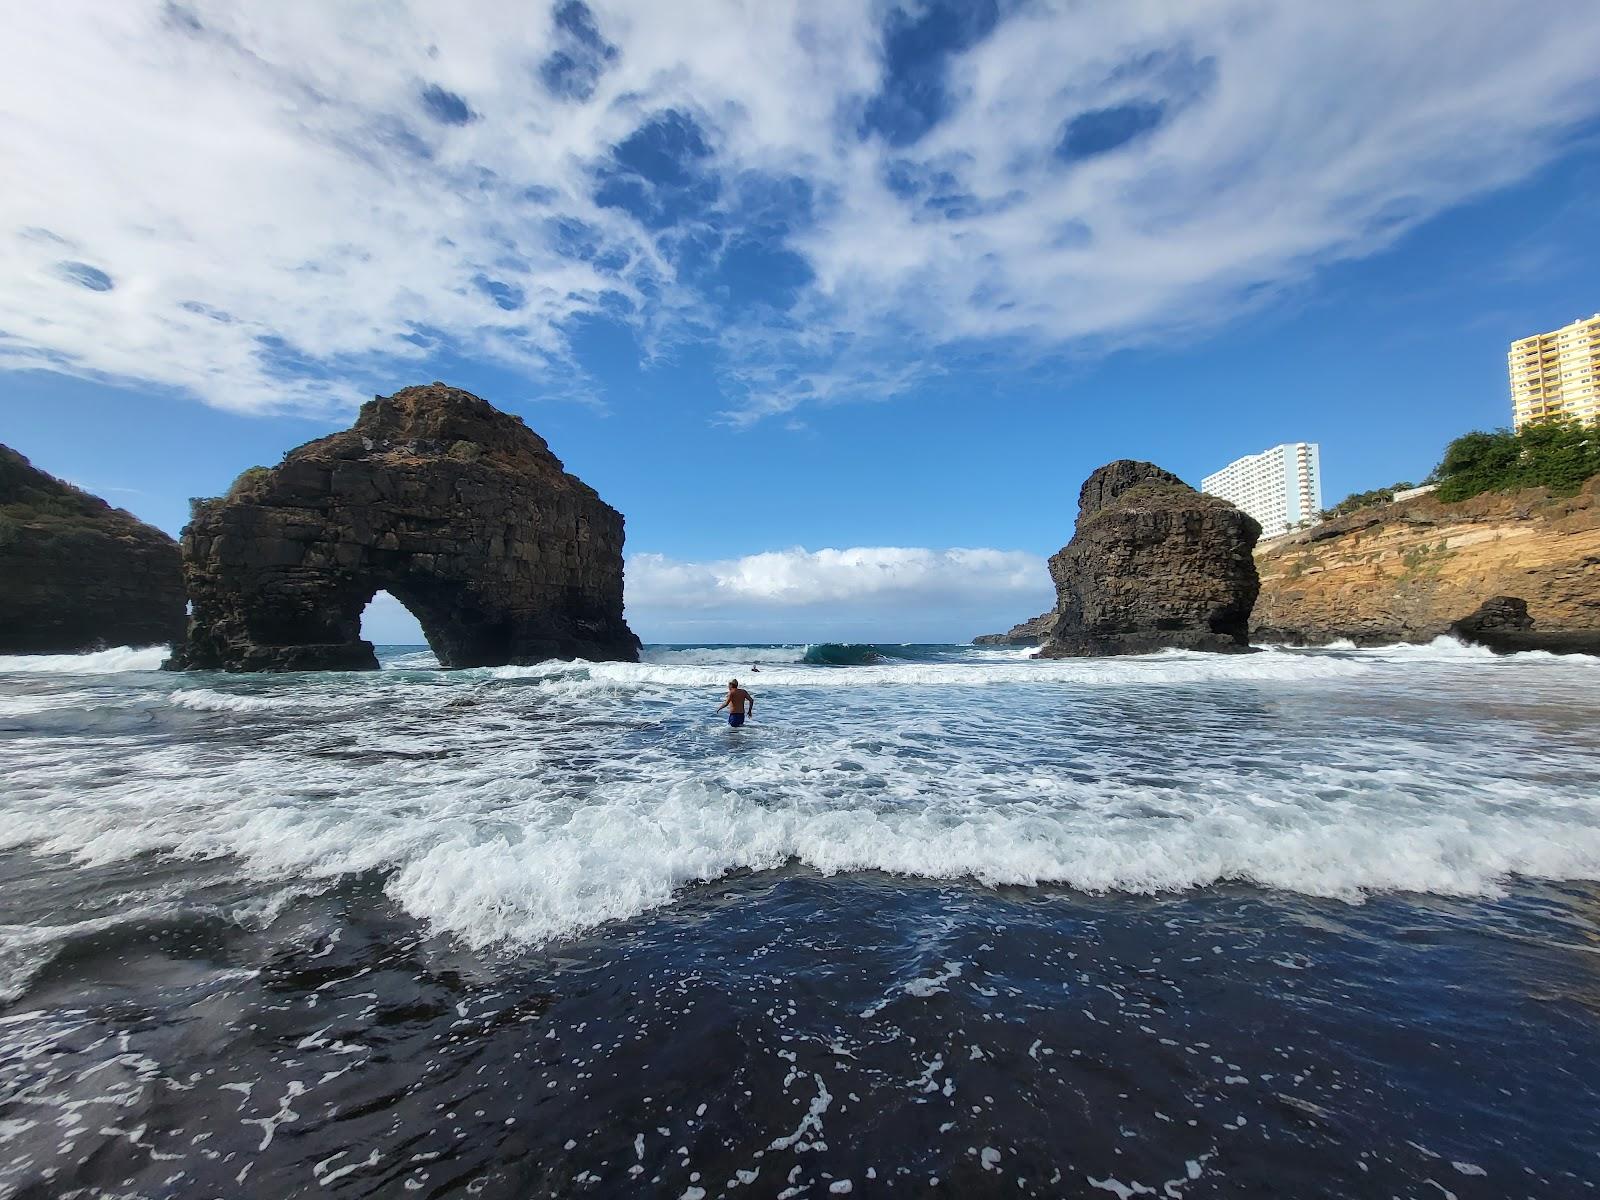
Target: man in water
x: 739, y: 704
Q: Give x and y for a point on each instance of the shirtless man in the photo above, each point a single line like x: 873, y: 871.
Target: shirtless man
x: 739, y: 704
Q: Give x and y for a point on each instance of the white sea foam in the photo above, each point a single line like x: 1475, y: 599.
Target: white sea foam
x: 1171, y: 667
x: 205, y: 700
x: 27, y: 706
x: 567, y: 795
x: 410, y: 660
x: 100, y: 662
x: 731, y: 656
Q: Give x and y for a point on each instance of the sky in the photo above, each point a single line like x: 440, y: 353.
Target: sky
x: 838, y: 302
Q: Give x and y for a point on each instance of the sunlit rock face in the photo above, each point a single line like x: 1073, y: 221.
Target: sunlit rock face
x: 456, y: 509
x: 1153, y: 564
x: 77, y: 574
x: 1404, y: 572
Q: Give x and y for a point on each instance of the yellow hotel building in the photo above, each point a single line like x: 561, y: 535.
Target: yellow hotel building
x: 1557, y: 374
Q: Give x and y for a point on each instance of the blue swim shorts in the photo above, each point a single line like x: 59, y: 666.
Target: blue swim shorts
x: 735, y: 719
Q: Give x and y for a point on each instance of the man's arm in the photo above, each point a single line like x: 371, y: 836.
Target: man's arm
x: 749, y: 705
x: 726, y: 700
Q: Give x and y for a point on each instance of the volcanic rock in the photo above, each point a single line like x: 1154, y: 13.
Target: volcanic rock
x: 77, y: 574
x: 1028, y: 633
x: 1503, y: 625
x: 456, y: 509
x: 1152, y: 564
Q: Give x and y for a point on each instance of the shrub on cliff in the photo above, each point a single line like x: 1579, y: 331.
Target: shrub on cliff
x: 1355, y: 500
x: 1559, y: 455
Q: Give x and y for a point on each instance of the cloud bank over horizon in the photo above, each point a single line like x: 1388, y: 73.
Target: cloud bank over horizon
x: 282, y: 208
x: 860, y: 593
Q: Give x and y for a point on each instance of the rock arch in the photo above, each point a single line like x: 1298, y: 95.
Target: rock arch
x: 456, y: 509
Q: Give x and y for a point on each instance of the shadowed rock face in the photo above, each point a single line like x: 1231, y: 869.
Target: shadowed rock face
x: 1152, y: 564
x: 1503, y: 625
x: 456, y: 509
x: 77, y: 574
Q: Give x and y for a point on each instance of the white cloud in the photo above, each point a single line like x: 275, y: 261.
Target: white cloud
x: 859, y: 592
x: 282, y: 224
x: 863, y: 593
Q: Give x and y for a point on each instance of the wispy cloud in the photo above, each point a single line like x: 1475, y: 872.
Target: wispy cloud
x: 289, y: 206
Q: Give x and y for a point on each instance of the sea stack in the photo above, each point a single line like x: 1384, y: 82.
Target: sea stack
x: 1152, y: 564
x: 458, y: 510
x: 77, y: 574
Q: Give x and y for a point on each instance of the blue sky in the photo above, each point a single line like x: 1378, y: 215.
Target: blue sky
x: 837, y: 302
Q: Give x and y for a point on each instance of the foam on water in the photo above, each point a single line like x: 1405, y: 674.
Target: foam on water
x: 206, y: 700
x: 545, y: 800
x: 732, y: 656
x: 984, y: 670
x: 100, y: 662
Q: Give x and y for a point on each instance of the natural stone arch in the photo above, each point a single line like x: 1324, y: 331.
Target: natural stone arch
x: 458, y: 510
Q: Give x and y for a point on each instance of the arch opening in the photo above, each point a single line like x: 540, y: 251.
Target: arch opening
x: 387, y: 622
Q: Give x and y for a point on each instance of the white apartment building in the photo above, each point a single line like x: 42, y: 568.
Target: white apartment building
x: 1280, y: 487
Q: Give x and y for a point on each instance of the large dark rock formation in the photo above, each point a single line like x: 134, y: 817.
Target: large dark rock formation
x: 77, y: 574
x: 1503, y: 625
x: 1152, y: 564
x: 456, y: 509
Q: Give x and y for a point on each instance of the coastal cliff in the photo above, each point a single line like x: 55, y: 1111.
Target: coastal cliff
x: 458, y: 510
x: 1027, y: 633
x: 77, y: 574
x: 1152, y: 564
x: 1405, y: 572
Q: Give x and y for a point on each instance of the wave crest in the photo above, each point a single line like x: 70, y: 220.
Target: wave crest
x: 98, y: 662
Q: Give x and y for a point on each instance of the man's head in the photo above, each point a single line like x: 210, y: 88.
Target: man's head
x: 733, y: 684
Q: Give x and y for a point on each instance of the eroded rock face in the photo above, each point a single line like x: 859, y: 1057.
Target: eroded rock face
x: 77, y: 574
x: 456, y: 509
x: 1028, y: 633
x: 1404, y: 572
x: 1152, y: 564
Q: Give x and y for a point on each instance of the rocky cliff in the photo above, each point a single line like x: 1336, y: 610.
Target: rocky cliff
x: 458, y: 510
x: 1404, y: 572
x: 77, y: 574
x: 1152, y: 564
x: 1028, y: 633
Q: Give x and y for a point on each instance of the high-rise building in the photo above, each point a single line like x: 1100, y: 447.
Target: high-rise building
x: 1280, y: 487
x: 1556, y: 375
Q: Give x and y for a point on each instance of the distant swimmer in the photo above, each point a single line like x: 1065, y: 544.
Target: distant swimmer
x: 739, y: 703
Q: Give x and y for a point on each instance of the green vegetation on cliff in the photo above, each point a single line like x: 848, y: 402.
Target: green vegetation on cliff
x: 1357, y: 500
x: 1559, y: 455
x: 46, y: 508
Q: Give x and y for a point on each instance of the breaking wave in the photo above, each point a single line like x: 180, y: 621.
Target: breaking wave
x: 99, y: 662
x: 855, y: 654
x: 205, y: 700
x: 528, y: 803
x: 723, y: 655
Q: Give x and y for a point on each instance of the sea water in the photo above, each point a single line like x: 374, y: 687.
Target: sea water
x: 938, y: 921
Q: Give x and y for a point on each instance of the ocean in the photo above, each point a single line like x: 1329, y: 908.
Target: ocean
x: 940, y: 921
